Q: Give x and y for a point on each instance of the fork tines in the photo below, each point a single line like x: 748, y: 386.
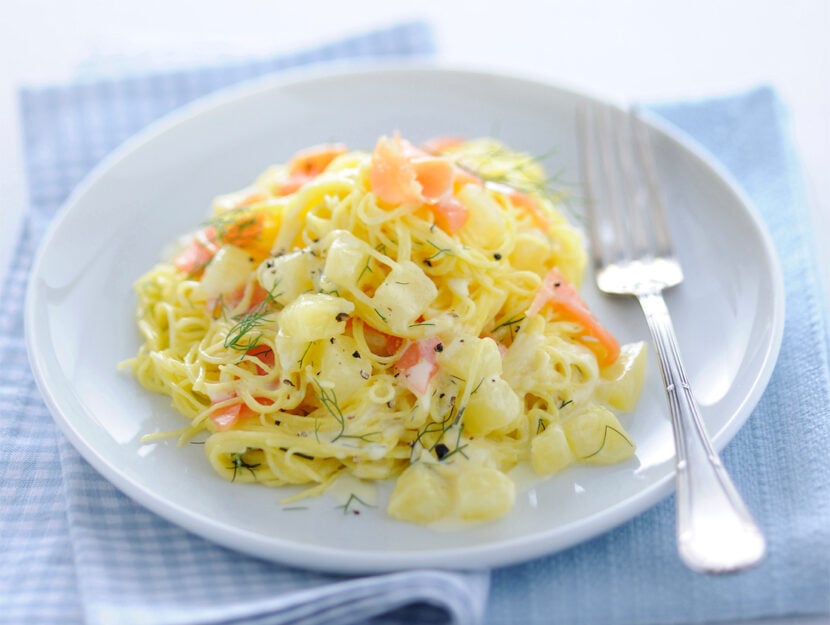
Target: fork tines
x: 623, y: 203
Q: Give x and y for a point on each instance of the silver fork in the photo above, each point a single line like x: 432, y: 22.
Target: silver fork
x: 633, y: 255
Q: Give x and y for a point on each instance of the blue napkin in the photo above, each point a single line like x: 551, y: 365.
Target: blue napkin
x: 780, y: 460
x: 74, y: 549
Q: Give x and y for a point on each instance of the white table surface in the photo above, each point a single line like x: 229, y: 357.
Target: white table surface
x: 632, y: 50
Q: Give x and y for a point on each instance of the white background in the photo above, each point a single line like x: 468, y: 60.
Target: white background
x: 626, y: 50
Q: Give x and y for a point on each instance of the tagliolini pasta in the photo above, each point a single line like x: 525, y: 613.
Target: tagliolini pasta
x: 407, y: 313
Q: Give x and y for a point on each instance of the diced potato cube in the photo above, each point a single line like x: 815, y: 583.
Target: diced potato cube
x: 404, y: 295
x: 420, y: 495
x: 620, y: 384
x: 480, y: 355
x: 340, y: 368
x: 484, y: 493
x: 486, y: 227
x: 294, y: 353
x: 526, y: 364
x: 345, y: 259
x: 314, y: 316
x: 550, y: 451
x: 289, y: 275
x: 228, y: 271
x: 493, y: 405
x: 597, y: 437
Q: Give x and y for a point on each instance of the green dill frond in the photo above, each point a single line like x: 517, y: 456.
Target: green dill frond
x: 605, y: 438
x: 351, y: 502
x: 494, y: 163
x: 241, y: 337
x: 238, y: 462
x: 439, y: 251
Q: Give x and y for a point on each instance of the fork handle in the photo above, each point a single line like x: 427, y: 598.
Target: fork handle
x: 715, y: 531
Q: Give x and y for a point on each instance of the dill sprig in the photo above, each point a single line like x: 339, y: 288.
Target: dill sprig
x: 305, y: 353
x: 238, y: 462
x: 438, y: 447
x: 366, y: 269
x: 509, y: 322
x: 499, y: 166
x: 239, y: 336
x: 347, y: 507
x: 439, y: 251
x: 443, y: 452
x: 605, y: 438
x: 328, y: 398
x: 510, y: 326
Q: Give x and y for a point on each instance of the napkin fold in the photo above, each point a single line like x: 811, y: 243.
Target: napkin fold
x: 136, y: 569
x: 74, y: 549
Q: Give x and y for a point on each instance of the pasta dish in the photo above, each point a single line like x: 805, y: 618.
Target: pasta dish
x: 407, y: 313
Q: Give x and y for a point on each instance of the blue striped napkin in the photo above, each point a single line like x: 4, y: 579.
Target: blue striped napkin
x: 74, y: 549
x: 780, y: 460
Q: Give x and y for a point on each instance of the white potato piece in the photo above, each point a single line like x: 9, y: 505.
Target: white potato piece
x: 314, y: 316
x: 550, y: 451
x: 403, y: 296
x: 471, y: 354
x: 341, y: 370
x: 420, y: 495
x: 597, y: 437
x: 227, y: 272
x: 289, y: 275
x: 493, y: 406
x: 621, y: 383
x: 484, y: 493
x: 345, y: 259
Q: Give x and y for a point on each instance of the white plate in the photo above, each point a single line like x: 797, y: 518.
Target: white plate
x: 79, y: 312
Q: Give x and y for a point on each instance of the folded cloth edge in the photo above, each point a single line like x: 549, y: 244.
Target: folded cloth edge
x: 462, y: 596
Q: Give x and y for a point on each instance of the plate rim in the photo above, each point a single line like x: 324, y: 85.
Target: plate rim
x: 504, y: 552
